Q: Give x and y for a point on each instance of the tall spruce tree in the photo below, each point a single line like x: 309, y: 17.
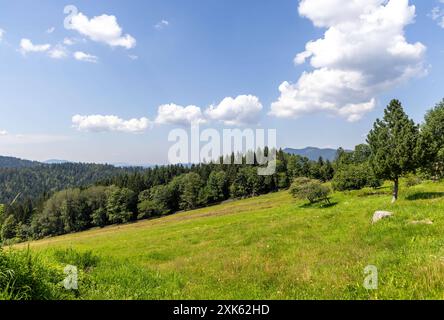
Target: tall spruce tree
x: 431, y: 142
x: 393, y: 142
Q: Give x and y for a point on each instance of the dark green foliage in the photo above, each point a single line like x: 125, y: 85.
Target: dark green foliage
x: 393, y: 143
x: 37, y: 181
x: 83, y: 260
x: 216, y: 189
x: 355, y: 177
x: 7, y: 230
x: 247, y: 183
x: 190, y: 186
x: 155, y: 202
x: 431, y: 143
x: 309, y: 189
x: 353, y: 170
x: 121, y: 205
x: 10, y: 162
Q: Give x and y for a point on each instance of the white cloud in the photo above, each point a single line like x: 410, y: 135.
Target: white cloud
x: 103, y: 29
x: 3, y: 132
x: 437, y: 15
x: 133, y: 57
x: 50, y: 30
x: 242, y: 110
x: 69, y: 41
x: 58, y: 52
x: 162, y: 24
x: 363, y: 53
x: 101, y: 123
x: 2, y: 34
x: 26, y: 46
x: 179, y: 115
x: 86, y: 57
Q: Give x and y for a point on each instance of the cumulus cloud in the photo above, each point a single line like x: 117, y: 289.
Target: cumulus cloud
x: 162, y: 24
x: 363, y: 52
x: 58, y: 52
x: 3, y: 132
x: 85, y: 57
x: 2, y: 34
x: 27, y: 46
x: 69, y: 41
x: 104, y: 29
x: 242, y: 110
x: 178, y: 115
x: 50, y: 30
x: 108, y: 123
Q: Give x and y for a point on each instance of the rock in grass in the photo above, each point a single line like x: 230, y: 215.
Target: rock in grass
x: 379, y: 215
x: 426, y: 221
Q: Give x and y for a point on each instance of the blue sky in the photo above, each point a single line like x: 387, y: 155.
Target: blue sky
x: 198, y: 53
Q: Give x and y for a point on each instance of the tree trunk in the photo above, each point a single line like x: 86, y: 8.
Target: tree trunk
x: 395, y: 190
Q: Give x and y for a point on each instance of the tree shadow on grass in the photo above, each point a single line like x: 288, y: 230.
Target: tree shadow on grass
x: 319, y: 205
x: 425, y: 196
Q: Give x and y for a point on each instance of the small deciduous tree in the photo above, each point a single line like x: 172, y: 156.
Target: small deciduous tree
x: 393, y: 143
x: 8, y: 228
x: 120, y: 205
x: 190, y: 189
x: 309, y: 189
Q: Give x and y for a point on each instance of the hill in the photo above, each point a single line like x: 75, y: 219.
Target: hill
x: 11, y: 162
x: 34, y: 180
x: 270, y: 247
x: 313, y: 153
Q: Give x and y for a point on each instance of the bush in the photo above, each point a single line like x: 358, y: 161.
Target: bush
x: 311, y: 190
x: 412, y: 180
x: 25, y: 277
x: 355, y: 177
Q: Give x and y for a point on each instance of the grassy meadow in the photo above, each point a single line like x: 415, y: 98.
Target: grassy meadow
x: 269, y: 247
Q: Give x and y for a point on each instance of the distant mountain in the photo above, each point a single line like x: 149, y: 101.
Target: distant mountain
x: 314, y: 153
x: 11, y: 162
x: 55, y: 161
x: 128, y: 165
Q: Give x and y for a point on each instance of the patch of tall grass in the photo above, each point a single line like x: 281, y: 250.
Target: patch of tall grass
x: 24, y: 276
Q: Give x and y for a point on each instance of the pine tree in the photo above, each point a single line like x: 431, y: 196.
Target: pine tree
x: 393, y: 142
x: 431, y: 142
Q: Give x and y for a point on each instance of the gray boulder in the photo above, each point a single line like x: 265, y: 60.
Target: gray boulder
x: 379, y: 215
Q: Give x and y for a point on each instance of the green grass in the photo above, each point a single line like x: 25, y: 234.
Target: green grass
x: 270, y: 247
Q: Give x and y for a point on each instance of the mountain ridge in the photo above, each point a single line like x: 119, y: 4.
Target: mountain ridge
x: 314, y: 153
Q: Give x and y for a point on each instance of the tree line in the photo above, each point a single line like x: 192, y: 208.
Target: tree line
x: 153, y: 192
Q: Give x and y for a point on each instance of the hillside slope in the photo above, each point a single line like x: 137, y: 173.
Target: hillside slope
x: 34, y: 181
x: 272, y: 247
x: 11, y: 162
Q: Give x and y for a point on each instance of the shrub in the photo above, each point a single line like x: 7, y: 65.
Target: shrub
x: 311, y: 190
x: 355, y: 177
x: 25, y: 277
x: 412, y: 180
